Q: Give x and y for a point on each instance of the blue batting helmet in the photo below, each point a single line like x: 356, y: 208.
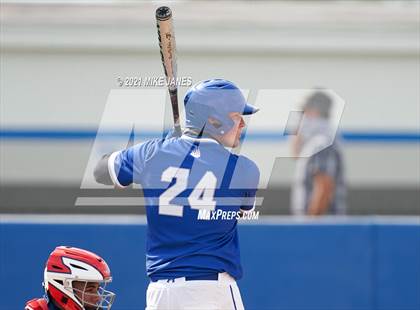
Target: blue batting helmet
x: 214, y: 98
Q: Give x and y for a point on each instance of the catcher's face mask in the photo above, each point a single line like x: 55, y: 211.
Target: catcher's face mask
x: 93, y: 295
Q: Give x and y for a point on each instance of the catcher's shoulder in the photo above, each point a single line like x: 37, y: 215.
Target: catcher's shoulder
x: 37, y: 304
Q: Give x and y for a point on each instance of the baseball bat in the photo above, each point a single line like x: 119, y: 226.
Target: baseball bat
x: 167, y: 47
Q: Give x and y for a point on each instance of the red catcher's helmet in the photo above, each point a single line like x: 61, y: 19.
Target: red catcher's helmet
x: 67, y: 265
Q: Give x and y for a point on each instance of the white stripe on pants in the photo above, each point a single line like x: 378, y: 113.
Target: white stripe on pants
x: 177, y: 294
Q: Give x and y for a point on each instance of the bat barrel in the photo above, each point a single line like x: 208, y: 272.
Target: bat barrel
x: 163, y: 13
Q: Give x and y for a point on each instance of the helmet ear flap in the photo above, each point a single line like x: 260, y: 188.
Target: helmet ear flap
x: 214, y: 122
x: 217, y: 126
x: 63, y: 300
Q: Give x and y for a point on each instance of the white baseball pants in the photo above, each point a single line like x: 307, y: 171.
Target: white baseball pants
x: 177, y: 294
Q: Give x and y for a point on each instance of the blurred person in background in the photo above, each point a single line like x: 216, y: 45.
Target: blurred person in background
x: 318, y: 186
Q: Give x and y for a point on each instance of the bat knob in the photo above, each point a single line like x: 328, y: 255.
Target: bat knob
x: 163, y: 13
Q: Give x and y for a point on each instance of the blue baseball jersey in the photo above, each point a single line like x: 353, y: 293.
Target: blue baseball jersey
x: 184, y: 179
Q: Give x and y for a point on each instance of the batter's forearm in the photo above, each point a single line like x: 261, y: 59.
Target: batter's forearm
x: 101, y: 172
